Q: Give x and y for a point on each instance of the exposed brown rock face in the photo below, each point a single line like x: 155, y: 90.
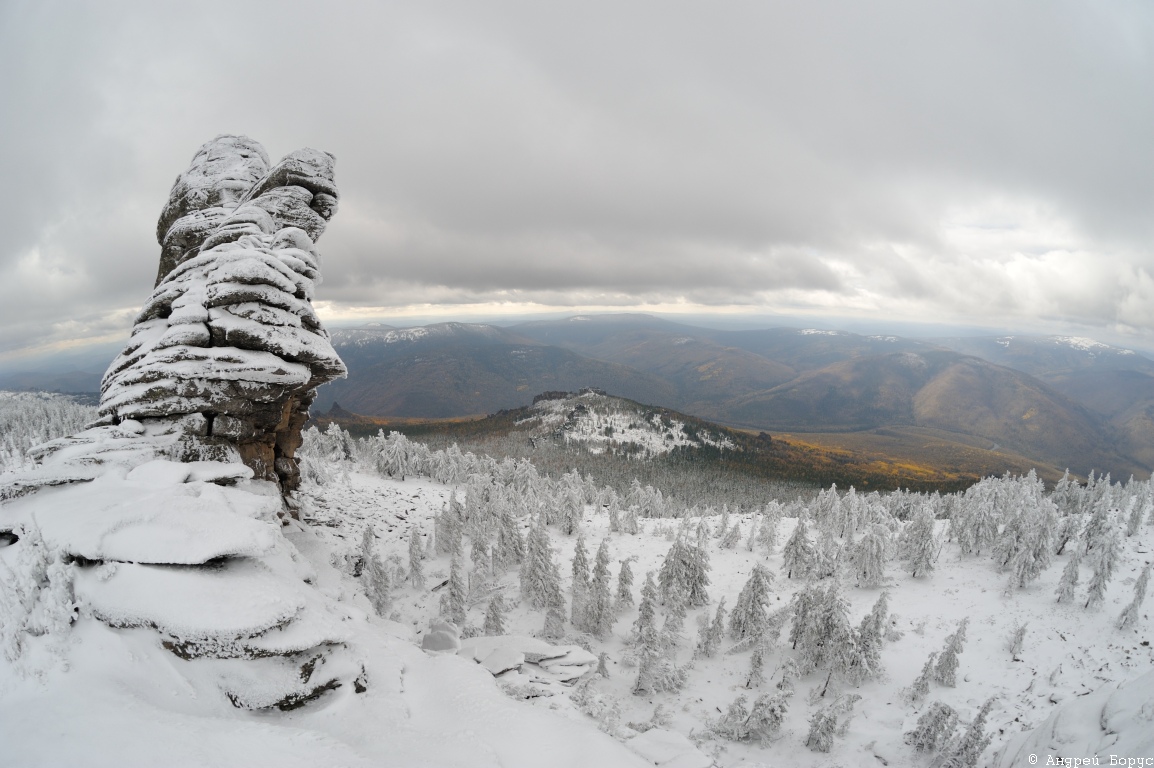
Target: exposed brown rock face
x: 228, y: 349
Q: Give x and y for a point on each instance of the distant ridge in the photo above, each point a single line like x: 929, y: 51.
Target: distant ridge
x: 1062, y: 401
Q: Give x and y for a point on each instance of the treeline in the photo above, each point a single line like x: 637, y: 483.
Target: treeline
x: 28, y: 419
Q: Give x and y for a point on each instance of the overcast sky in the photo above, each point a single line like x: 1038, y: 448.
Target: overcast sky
x: 971, y: 162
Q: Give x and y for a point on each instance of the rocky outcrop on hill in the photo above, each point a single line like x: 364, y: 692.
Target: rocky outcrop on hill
x: 227, y: 351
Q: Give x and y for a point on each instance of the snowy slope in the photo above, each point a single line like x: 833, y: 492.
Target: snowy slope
x: 104, y: 690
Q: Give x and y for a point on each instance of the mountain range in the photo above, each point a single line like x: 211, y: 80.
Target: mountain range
x: 1060, y: 401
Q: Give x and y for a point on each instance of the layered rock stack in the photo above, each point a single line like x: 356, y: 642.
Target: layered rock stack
x: 228, y: 351
x: 163, y: 518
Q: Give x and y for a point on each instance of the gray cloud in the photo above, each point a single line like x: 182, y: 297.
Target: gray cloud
x: 960, y: 162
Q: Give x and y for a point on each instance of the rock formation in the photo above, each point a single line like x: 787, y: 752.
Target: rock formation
x: 163, y: 517
x: 227, y: 351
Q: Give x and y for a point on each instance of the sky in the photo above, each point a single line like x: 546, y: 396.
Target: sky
x: 978, y: 164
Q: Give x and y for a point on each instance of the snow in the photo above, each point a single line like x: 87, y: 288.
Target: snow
x: 668, y: 749
x: 603, y: 426
x: 237, y: 600
x: 150, y: 670
x: 1081, y: 343
x: 817, y: 332
x: 1117, y: 720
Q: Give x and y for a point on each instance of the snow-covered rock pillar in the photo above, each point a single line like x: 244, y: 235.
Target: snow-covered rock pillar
x: 228, y: 349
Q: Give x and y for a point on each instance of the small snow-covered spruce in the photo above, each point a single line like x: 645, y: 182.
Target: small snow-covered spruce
x: 1105, y: 554
x: 828, y: 559
x: 495, y: 616
x: 759, y: 723
x: 765, y: 717
x: 1134, y: 518
x: 750, y: 613
x: 629, y: 523
x: 540, y: 577
x: 711, y: 635
x: 821, y: 632
x: 865, y: 661
x: 416, y: 556
x: 580, y: 585
x: 672, y: 629
x: 655, y: 673
x: 1016, y: 642
x: 798, y: 556
x: 1069, y: 581
x: 946, y: 670
x: 510, y: 548
x: 599, y: 615
x: 757, y: 663
x: 723, y: 524
x: 455, y: 606
x: 603, y: 664
x: 624, y: 595
x: 751, y: 541
x: 917, y: 544
x: 973, y: 742
x: 767, y: 530
x: 921, y: 684
x: 869, y: 556
x: 1069, y: 527
x: 934, y: 729
x: 1129, y: 616
x: 375, y: 576
x: 686, y: 567
x: 731, y: 725
x: 732, y: 537
x: 482, y: 564
x: 829, y: 721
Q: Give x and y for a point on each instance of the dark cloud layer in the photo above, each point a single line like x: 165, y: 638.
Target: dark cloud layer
x: 957, y: 162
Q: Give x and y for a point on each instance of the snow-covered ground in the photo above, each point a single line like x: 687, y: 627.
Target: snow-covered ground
x: 1068, y: 652
x: 97, y: 668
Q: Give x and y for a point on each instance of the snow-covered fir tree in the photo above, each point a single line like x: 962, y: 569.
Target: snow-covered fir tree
x: 599, y: 615
x: 750, y: 613
x: 711, y: 634
x: 934, y: 729
x: 510, y: 547
x: 655, y: 672
x: 921, y: 684
x: 1129, y: 616
x: 946, y: 670
x: 1069, y: 581
x: 1105, y: 553
x: 457, y: 594
x: 686, y: 568
x: 540, y: 577
x: 375, y: 576
x: 917, y: 544
x: 767, y: 530
x: 798, y: 556
x: 732, y: 537
x: 868, y: 556
x: 416, y: 559
x: 829, y: 721
x: 973, y: 743
x: 495, y: 616
x: 579, y: 592
x: 623, y: 597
